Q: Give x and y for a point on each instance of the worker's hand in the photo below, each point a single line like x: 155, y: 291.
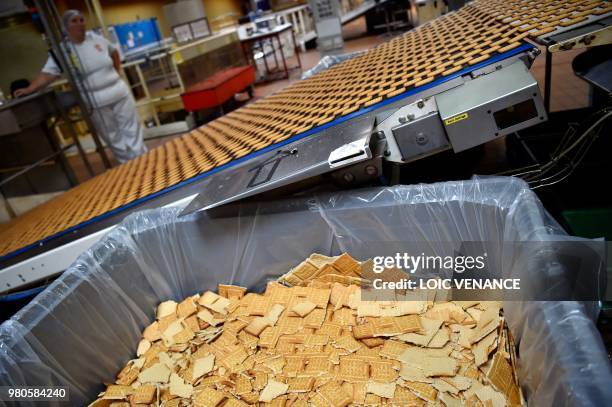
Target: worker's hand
x: 23, y: 92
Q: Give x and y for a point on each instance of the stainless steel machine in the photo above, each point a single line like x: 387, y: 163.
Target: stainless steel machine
x: 465, y: 109
x: 458, y: 114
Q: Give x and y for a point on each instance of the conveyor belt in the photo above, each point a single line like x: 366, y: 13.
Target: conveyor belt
x: 544, y: 17
x: 479, y: 32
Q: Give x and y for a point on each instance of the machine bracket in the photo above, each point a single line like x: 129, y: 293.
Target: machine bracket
x: 350, y: 153
x: 297, y: 161
x: 412, y: 131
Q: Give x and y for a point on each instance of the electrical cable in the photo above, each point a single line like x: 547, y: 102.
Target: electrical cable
x: 513, y: 172
x: 561, y: 164
x: 550, y: 165
x: 586, y: 133
x: 568, y: 167
x: 571, y: 166
x: 571, y: 162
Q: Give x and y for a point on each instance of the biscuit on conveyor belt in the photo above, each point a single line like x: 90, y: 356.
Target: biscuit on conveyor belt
x: 479, y: 31
x: 303, y: 342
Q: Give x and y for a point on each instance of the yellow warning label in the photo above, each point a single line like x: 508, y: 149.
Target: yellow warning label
x: 456, y: 119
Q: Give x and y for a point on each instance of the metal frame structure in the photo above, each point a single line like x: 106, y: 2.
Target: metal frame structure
x: 588, y: 34
x: 307, y: 155
x: 303, y: 25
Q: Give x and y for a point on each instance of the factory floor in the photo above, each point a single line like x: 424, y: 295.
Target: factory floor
x: 568, y: 91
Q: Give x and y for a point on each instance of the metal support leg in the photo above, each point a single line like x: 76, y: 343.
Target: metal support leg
x: 75, y: 137
x: 162, y: 67
x: 177, y: 73
x: 301, y: 17
x: 60, y: 156
x: 276, y: 64
x: 547, y: 80
x: 82, y: 153
x: 145, y: 89
x: 265, y: 59
x: 296, y: 50
x: 282, y: 52
x: 294, y: 25
x: 7, y: 206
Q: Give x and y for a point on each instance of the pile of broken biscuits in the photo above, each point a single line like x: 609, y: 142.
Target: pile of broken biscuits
x: 311, y: 340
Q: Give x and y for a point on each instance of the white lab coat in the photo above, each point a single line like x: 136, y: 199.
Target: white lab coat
x: 114, y: 109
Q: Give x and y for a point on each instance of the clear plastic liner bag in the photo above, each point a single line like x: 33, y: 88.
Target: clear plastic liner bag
x: 85, y: 326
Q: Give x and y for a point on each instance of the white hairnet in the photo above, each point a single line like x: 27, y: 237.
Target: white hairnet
x: 68, y: 15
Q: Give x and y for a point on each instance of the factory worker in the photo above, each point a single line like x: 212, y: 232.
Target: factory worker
x: 96, y: 63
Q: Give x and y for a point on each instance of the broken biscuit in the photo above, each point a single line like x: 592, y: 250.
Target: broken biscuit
x: 304, y: 308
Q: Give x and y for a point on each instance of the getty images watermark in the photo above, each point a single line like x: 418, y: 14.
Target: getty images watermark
x: 546, y: 270
x: 408, y: 263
